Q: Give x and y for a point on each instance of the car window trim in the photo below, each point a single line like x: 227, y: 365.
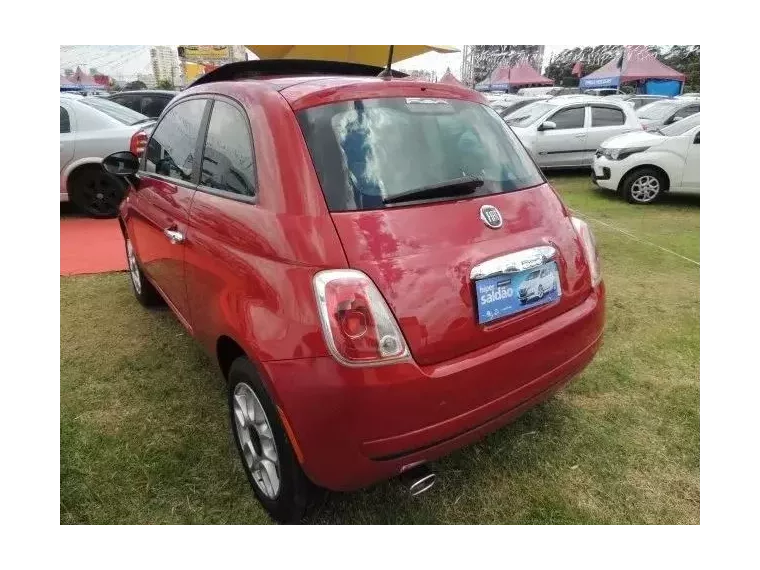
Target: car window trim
x: 196, y: 175
x: 202, y: 140
x: 603, y: 106
x: 569, y: 107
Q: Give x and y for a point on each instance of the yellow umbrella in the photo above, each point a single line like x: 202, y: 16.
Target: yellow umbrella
x: 369, y: 55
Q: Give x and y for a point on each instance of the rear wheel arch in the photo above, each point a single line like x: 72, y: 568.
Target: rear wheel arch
x: 227, y: 350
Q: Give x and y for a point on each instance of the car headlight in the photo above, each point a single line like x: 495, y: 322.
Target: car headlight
x: 621, y: 153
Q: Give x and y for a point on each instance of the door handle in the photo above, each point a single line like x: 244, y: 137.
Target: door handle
x: 580, y: 135
x: 174, y: 236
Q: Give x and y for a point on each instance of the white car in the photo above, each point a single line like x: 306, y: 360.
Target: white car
x: 665, y: 112
x: 91, y: 129
x: 565, y: 131
x: 537, y: 284
x: 642, y: 166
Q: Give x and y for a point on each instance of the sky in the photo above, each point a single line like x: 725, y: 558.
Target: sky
x: 128, y: 61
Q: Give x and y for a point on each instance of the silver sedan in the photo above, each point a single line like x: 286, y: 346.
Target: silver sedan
x: 91, y: 129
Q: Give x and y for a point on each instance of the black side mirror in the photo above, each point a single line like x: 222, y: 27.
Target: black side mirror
x: 121, y: 163
x: 124, y: 164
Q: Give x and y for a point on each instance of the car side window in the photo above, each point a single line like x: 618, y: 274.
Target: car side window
x: 228, y: 154
x: 65, y: 123
x: 171, y: 148
x: 572, y: 118
x: 606, y: 117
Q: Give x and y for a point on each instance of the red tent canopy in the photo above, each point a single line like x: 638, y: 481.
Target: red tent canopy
x: 449, y: 78
x: 517, y: 76
x: 638, y: 63
x: 84, y: 80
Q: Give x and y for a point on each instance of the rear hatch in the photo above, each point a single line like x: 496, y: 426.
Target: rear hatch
x: 384, y: 165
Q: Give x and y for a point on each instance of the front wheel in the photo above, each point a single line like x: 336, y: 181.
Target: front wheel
x: 643, y: 186
x: 143, y: 289
x: 268, y: 458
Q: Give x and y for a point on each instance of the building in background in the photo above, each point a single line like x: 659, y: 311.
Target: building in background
x: 165, y: 64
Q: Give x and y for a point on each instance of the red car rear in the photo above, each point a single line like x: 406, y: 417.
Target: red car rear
x: 379, y: 268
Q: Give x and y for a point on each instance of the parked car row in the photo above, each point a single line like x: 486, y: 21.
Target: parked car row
x: 659, y: 146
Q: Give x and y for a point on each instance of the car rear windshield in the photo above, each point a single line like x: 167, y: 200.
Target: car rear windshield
x: 121, y: 113
x: 680, y: 127
x: 657, y: 110
x: 369, y: 152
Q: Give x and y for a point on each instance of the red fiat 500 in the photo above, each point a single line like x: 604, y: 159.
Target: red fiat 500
x: 378, y: 267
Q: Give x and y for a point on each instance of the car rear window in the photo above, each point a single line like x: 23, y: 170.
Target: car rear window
x: 121, y: 113
x: 657, y: 110
x: 370, y: 150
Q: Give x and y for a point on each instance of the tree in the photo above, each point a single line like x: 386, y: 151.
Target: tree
x: 165, y: 84
x: 135, y: 85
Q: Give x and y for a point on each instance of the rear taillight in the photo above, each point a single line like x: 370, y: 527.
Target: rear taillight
x: 138, y: 142
x: 589, y: 249
x: 357, y: 324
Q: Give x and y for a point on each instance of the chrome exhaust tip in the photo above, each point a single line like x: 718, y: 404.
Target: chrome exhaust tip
x: 418, y: 479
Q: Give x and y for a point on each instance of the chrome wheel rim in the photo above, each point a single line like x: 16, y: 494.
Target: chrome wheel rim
x: 645, y: 188
x: 256, y: 440
x: 134, y: 269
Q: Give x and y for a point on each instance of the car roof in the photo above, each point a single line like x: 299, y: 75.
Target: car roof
x: 147, y: 92
x: 302, y: 91
x: 576, y: 98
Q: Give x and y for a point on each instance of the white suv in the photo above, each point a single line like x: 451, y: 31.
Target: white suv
x: 642, y: 166
x: 564, y: 132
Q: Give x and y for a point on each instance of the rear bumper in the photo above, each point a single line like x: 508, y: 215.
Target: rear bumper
x: 355, y: 426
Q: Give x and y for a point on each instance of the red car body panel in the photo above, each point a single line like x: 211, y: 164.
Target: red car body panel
x: 246, y: 270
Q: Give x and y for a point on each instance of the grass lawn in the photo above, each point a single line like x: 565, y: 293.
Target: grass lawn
x: 144, y: 435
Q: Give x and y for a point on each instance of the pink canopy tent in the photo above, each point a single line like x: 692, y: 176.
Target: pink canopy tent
x: 68, y: 85
x: 638, y: 64
x: 85, y: 81
x: 449, y: 79
x: 506, y: 78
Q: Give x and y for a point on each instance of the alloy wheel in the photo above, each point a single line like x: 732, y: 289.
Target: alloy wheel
x: 256, y: 440
x: 134, y: 269
x: 645, y: 188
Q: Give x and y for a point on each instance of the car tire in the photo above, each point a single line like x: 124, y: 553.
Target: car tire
x: 144, y: 291
x: 268, y: 449
x: 643, y: 186
x: 96, y: 192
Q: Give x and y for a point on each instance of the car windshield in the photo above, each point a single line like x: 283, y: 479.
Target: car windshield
x: 680, y: 127
x: 532, y: 276
x: 529, y: 114
x: 657, y: 110
x: 122, y: 114
x: 370, y: 153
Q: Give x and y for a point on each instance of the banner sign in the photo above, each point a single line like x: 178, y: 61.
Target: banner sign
x: 204, y: 53
x: 591, y: 82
